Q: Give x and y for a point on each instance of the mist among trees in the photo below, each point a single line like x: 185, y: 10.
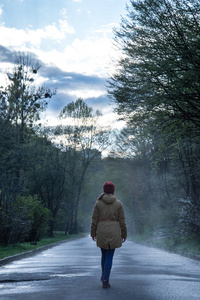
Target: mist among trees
x: 50, y: 177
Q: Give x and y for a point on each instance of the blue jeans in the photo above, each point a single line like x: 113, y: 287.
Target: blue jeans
x: 106, y: 262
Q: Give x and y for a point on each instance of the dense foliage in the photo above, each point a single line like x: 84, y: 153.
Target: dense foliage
x: 156, y: 89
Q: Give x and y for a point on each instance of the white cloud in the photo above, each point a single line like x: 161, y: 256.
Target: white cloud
x: 86, y: 93
x: 76, y: 0
x: 63, y: 23
x: 89, y: 55
x: 65, y: 27
x: 1, y: 11
x: 11, y: 37
x: 20, y: 39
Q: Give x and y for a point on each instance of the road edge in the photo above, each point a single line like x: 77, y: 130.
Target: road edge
x: 32, y: 252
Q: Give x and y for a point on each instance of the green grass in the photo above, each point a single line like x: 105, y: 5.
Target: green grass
x: 187, y: 245
x: 24, y: 247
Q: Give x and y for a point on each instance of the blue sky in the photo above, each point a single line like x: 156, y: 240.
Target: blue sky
x: 73, y: 41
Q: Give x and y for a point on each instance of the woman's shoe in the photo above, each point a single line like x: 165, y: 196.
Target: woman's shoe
x: 106, y: 284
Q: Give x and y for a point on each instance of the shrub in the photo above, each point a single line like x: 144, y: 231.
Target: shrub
x: 25, y: 220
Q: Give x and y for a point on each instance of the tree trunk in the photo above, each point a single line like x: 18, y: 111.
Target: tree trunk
x: 51, y: 228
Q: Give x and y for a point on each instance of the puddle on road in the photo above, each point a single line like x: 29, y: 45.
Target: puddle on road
x: 22, y: 280
x: 71, y: 275
x: 19, y: 277
x: 39, y: 277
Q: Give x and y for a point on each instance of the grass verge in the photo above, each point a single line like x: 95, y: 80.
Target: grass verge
x: 179, y: 245
x: 24, y: 247
x: 186, y: 246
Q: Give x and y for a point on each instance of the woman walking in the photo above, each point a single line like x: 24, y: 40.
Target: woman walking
x: 108, y: 228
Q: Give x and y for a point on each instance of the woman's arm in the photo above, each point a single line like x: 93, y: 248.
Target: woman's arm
x: 122, y: 223
x: 95, y: 219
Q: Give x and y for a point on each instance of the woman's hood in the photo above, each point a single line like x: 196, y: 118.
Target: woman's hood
x: 108, y: 198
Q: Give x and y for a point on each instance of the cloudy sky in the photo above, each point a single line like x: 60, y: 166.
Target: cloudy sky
x: 73, y: 41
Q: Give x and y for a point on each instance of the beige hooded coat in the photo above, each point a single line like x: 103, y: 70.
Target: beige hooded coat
x: 108, y: 222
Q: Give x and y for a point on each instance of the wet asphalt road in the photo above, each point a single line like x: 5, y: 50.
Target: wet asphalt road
x: 72, y: 271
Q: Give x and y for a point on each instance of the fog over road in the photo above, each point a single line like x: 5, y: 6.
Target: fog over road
x: 72, y: 271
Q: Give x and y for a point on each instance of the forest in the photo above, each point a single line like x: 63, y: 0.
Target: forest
x: 51, y: 176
